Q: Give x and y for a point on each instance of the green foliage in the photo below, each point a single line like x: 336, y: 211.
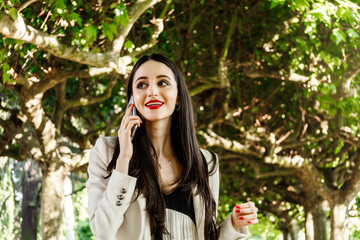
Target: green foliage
x: 338, y: 36
x: 91, y: 34
x: 6, y: 76
x: 83, y: 230
x: 265, y: 229
x: 109, y: 30
x: 13, y: 13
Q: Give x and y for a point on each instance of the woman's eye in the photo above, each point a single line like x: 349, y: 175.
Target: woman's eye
x: 141, y: 85
x: 163, y: 83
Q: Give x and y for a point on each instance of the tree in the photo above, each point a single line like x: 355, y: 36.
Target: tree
x: 58, y: 58
x: 275, y: 85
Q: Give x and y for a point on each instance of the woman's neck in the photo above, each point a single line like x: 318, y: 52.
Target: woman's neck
x: 159, y: 133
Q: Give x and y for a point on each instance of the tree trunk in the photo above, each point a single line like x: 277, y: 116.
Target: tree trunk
x: 319, y: 214
x: 339, y: 221
x: 30, y: 202
x: 7, y: 207
x: 286, y: 234
x: 315, y: 223
x: 294, y: 229
x: 52, y: 201
x: 69, y: 210
x: 309, y: 226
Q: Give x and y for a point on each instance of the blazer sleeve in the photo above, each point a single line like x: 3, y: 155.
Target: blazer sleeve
x: 225, y: 229
x: 108, y: 199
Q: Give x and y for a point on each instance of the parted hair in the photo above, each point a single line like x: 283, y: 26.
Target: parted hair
x: 144, y: 162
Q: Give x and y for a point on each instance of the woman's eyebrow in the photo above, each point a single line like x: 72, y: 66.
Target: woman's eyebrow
x: 160, y: 76
x: 140, y: 78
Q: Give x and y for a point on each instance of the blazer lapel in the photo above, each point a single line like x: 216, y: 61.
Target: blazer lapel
x: 199, y: 215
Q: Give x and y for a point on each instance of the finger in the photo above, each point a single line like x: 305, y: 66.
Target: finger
x: 126, y: 119
x: 249, y: 217
x: 131, y: 118
x: 127, y: 113
x: 243, y: 223
x: 131, y: 123
x: 245, y: 211
x: 130, y: 108
x: 245, y: 205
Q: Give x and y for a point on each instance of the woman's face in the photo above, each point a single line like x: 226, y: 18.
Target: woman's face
x: 155, y: 91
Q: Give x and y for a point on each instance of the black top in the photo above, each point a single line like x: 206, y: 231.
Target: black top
x: 181, y: 201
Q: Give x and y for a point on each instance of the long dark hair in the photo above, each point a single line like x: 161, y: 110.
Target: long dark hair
x: 143, y: 164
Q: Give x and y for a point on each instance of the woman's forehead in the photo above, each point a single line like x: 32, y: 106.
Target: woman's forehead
x: 153, y: 68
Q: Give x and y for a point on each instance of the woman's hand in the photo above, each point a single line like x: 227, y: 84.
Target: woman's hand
x: 124, y: 135
x: 244, y: 214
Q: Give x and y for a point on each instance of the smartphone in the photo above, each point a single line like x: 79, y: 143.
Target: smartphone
x: 133, y: 113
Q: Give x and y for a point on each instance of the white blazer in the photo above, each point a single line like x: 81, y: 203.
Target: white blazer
x: 113, y: 213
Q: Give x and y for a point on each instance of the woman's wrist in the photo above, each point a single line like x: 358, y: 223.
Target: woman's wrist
x: 122, y: 164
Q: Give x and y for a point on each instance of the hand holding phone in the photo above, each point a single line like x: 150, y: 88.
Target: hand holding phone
x: 129, y: 123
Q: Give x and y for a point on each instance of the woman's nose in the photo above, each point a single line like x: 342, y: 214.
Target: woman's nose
x: 153, y: 90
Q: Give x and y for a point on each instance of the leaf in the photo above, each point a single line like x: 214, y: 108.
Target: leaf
x: 2, y: 55
x: 274, y: 3
x: 338, y: 36
x: 322, y: 15
x: 13, y: 13
x: 76, y: 17
x: 121, y: 15
x: 352, y: 33
x: 91, y: 34
x: 302, y: 44
x: 60, y: 6
x: 106, y: 29
x: 301, y: 5
x: 113, y: 28
x: 6, y: 76
x: 129, y: 44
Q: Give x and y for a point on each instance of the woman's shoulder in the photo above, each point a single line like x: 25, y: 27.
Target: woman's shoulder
x: 206, y: 153
x: 211, y: 158
x: 103, y: 149
x: 106, y: 142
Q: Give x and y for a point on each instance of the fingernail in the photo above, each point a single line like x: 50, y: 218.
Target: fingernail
x: 249, y: 221
x: 237, y: 206
x: 131, y: 105
x: 237, y: 210
x: 241, y: 218
x: 140, y: 120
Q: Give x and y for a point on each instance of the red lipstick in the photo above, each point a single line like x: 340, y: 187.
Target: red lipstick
x: 154, y: 104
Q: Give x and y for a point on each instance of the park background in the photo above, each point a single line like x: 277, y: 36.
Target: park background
x: 275, y: 85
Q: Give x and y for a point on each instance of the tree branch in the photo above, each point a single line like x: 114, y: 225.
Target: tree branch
x: 276, y: 173
x: 135, y: 11
x: 222, y: 69
x: 214, y: 139
x: 57, y: 76
x: 317, y: 180
x: 159, y: 27
x: 352, y: 187
x: 88, y: 100
x: 254, y: 69
x: 344, y: 89
x: 204, y: 86
x: 44, y: 128
x: 20, y: 31
x: 25, y: 5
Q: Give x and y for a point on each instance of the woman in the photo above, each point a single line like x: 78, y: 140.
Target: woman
x: 158, y: 184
